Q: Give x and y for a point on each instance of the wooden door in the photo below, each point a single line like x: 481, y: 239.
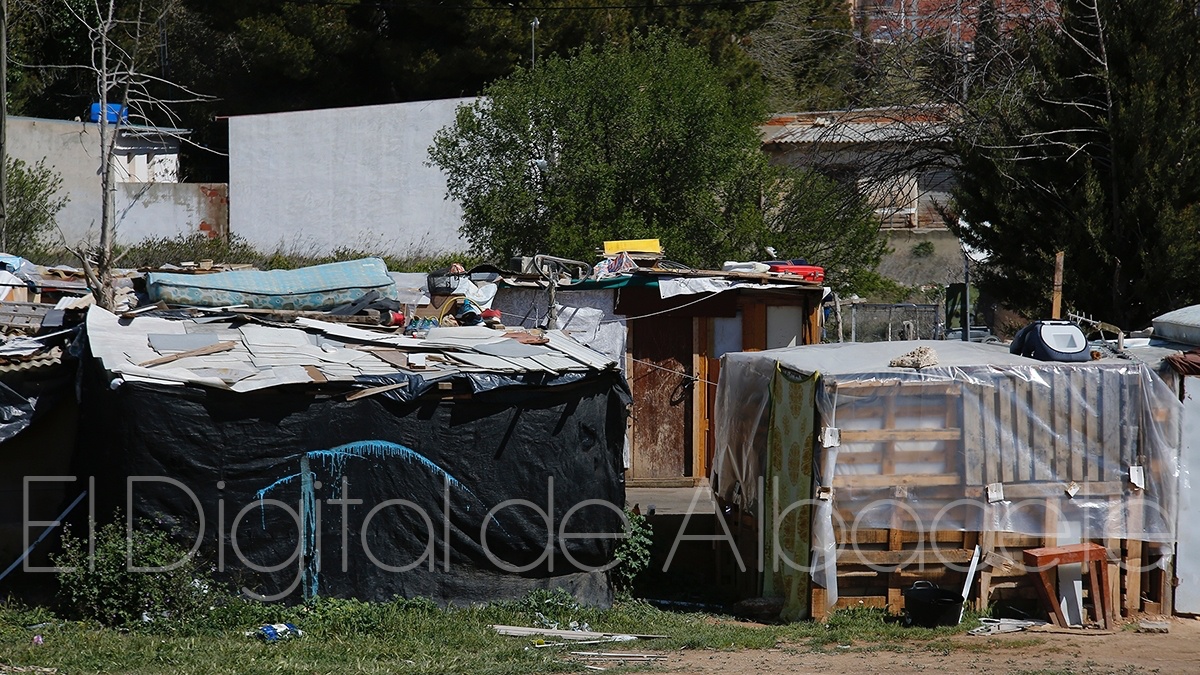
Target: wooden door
x: 662, y: 387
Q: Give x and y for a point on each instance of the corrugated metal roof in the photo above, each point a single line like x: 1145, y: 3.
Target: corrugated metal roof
x: 924, y: 124
x: 48, y: 358
x: 856, y: 132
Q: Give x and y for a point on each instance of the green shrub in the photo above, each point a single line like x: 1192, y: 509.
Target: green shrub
x: 633, y: 552
x: 923, y: 249
x: 103, y: 588
x: 158, y: 251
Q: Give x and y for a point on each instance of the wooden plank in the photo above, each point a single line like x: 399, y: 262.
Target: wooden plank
x: 630, y: 421
x: 754, y: 327
x: 887, y: 459
x: 855, y: 601
x: 1060, y: 430
x: 1113, y: 546
x: 1131, y: 407
x: 1056, y: 489
x: 1005, y: 395
x: 525, y: 631
x: 987, y: 547
x: 913, y: 557
x: 820, y: 603
x: 990, y: 435
x: 895, y: 594
x: 1110, y: 421
x: 1093, y: 452
x: 1050, y: 522
x: 972, y: 435
x: 903, y: 480
x: 1133, y: 558
x: 699, y: 420
x: 904, y: 408
x: 1078, y: 424
x: 898, y: 457
x: 713, y: 375
x: 953, y: 462
x: 894, y: 435
x: 199, y: 351
x: 1023, y: 439
x: 914, y: 388
x: 1167, y: 588
x: 812, y: 320
x: 1043, y: 450
x: 363, y: 393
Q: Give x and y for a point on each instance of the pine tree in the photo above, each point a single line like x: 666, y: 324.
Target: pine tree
x: 1098, y: 158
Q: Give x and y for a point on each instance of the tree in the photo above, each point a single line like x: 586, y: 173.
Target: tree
x: 1096, y: 159
x: 33, y: 204
x: 807, y: 52
x: 121, y: 64
x: 617, y: 142
x: 829, y: 223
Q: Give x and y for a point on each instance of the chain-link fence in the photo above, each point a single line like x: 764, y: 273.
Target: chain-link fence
x: 873, y: 322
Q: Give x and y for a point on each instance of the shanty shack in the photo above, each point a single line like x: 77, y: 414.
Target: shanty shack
x: 321, y: 458
x: 1174, y: 352
x: 668, y: 329
x: 855, y: 475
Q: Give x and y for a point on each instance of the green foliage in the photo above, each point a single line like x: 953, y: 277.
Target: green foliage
x: 923, y: 249
x: 158, y: 251
x: 413, y: 636
x: 828, y: 223
x: 616, y: 142
x: 33, y: 206
x: 807, y: 53
x: 109, y: 588
x: 633, y: 552
x: 1095, y: 160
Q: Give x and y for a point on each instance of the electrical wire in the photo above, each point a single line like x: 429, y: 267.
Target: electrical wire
x: 672, y: 370
x: 510, y: 7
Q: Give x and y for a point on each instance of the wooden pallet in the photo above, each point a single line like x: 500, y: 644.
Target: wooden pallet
x: 1035, y: 433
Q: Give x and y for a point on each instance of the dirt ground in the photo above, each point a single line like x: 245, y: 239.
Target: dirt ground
x: 1028, y: 653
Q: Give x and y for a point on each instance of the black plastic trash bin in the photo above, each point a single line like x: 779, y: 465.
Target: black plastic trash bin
x: 930, y: 606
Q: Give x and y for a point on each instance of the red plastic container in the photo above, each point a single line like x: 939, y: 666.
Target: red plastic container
x: 807, y: 272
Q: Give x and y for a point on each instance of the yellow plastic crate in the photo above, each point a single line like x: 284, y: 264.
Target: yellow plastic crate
x: 632, y: 246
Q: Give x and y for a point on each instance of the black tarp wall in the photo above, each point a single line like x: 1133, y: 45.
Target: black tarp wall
x: 308, y: 448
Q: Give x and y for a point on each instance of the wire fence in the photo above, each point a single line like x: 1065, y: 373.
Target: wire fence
x: 874, y: 322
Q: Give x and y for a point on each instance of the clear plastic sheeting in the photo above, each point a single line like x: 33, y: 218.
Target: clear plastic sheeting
x: 981, y: 441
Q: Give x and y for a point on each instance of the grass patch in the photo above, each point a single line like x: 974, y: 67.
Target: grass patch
x: 157, y: 251
x: 413, y: 636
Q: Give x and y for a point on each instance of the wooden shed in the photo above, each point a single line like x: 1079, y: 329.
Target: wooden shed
x: 914, y: 468
x: 670, y: 329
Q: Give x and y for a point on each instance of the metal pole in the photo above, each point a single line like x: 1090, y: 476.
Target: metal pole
x: 854, y: 322
x: 966, y: 304
x: 837, y: 305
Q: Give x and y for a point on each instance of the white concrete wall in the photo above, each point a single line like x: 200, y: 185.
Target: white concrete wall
x: 143, y: 210
x: 148, y: 210
x: 317, y: 180
x: 73, y: 150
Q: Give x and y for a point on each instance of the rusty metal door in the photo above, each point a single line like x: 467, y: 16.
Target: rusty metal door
x: 662, y: 399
